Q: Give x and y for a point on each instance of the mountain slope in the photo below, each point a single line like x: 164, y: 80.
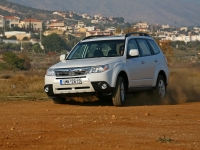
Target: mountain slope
x: 176, y: 12
x: 8, y: 8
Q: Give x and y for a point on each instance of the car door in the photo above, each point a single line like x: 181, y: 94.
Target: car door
x: 148, y: 60
x: 135, y: 66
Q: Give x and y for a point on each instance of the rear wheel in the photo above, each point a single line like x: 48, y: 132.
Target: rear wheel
x: 119, y: 94
x: 160, y: 90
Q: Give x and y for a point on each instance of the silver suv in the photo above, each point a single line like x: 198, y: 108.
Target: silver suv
x: 109, y: 66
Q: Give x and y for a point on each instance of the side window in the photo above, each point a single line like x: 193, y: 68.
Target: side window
x: 154, y: 46
x: 144, y: 48
x: 131, y: 45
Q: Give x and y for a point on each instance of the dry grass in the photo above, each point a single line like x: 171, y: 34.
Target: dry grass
x: 184, y: 86
x: 22, y: 84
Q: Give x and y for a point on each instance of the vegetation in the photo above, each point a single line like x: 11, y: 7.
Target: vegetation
x: 12, y: 61
x: 54, y: 43
x: 164, y: 139
x: 167, y: 49
x: 23, y: 11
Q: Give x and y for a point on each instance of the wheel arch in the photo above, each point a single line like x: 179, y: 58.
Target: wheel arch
x: 162, y: 73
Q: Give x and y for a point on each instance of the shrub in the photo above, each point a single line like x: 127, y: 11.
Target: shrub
x: 182, y: 47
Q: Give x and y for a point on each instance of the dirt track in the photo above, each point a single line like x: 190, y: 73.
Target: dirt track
x: 44, y: 125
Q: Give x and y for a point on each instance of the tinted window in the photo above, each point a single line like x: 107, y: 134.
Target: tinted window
x: 131, y: 45
x: 144, y: 48
x: 154, y: 46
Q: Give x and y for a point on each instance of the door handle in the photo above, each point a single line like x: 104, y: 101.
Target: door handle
x: 142, y: 62
x: 156, y: 60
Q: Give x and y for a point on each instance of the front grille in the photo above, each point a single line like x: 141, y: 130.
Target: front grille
x: 71, y: 72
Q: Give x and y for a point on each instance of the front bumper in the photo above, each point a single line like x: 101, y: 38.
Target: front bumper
x: 89, y: 87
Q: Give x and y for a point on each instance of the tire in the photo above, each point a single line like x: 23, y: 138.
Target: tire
x: 119, y: 94
x: 160, y: 89
x: 59, y: 100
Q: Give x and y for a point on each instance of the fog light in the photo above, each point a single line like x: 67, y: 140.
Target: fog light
x: 46, y: 89
x: 104, y: 86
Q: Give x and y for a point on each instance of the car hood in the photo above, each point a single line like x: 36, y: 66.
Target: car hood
x: 76, y: 63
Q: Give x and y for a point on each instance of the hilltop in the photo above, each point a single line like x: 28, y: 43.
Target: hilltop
x: 179, y: 12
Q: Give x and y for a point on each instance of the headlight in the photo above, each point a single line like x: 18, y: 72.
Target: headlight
x: 50, y: 72
x: 99, y: 69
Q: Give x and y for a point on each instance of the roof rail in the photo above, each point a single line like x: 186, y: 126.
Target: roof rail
x: 94, y: 36
x: 139, y: 33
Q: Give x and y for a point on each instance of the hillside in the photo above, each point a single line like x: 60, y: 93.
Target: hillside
x: 8, y: 8
x: 179, y: 12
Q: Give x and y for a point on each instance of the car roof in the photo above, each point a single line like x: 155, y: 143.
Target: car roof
x: 119, y: 37
x: 104, y: 38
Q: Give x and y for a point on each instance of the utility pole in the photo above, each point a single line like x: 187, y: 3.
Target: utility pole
x: 21, y: 43
x: 41, y: 35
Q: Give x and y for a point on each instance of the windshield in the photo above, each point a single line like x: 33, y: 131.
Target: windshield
x: 93, y: 49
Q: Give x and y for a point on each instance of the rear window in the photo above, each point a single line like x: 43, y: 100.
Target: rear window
x: 154, y: 46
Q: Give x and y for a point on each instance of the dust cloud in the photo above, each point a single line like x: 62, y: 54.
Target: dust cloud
x: 183, y: 87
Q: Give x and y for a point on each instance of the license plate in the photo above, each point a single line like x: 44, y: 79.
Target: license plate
x: 71, y: 81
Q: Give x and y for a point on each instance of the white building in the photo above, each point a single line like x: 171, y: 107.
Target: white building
x: 184, y: 29
x: 181, y: 37
x: 94, y: 21
x: 92, y: 28
x: 19, y: 34
x: 165, y: 26
x: 2, y: 21
x: 142, y: 26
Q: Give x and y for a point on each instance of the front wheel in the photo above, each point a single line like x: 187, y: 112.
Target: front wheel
x: 119, y: 94
x: 58, y: 100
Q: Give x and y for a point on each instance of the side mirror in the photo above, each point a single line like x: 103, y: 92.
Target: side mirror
x: 133, y: 53
x: 63, y: 57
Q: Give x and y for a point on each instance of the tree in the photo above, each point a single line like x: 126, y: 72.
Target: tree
x: 36, y: 47
x: 53, y: 43
x: 27, y: 45
x: 13, y: 61
x: 27, y: 61
x: 118, y: 30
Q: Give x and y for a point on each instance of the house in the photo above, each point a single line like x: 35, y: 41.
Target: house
x: 80, y: 24
x: 165, y: 26
x: 91, y: 28
x: 98, y: 32
x: 98, y: 16
x: 35, y: 24
x: 2, y: 21
x: 142, y: 26
x: 56, y: 24
x: 83, y: 30
x: 86, y: 16
x: 12, y: 21
x: 183, y: 29
x: 94, y: 21
x: 19, y: 34
x: 48, y: 32
x: 112, y: 29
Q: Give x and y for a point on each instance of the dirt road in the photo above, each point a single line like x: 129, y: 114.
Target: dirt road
x: 40, y: 125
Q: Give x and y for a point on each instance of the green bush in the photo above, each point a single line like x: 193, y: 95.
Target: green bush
x: 2, y: 66
x: 182, y: 47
